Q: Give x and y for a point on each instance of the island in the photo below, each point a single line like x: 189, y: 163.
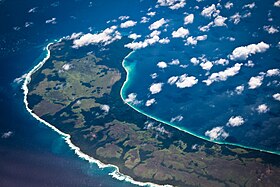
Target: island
x: 78, y: 92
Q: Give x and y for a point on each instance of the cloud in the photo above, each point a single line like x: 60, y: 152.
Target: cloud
x: 152, y: 14
x: 263, y: 108
x: 134, y: 36
x: 277, y: 3
x: 32, y: 10
x: 223, y: 75
x: 221, y: 61
x: 174, y: 62
x: 66, y: 67
x: 235, y: 121
x: 74, y: 36
x: 151, y: 39
x: 105, y: 37
x: 162, y: 65
x: 194, y: 60
x: 150, y: 102
x: 180, y: 33
x: 235, y: 18
x: 7, y: 135
x: 51, y: 21
x: 193, y: 40
x: 172, y: 80
x: 123, y: 18
x: 172, y: 4
x: 105, y: 108
x: 177, y: 118
x: 189, y: 19
x: 255, y: 82
x: 243, y: 52
x: 217, y: 133
x: 206, y: 27
x: 270, y: 29
x: 128, y: 23
x: 206, y: 65
x: 164, y: 41
x: 186, y: 82
x: 156, y: 88
x: 228, y: 5
x: 132, y: 99
x: 209, y: 11
x: 154, y: 75
x: 276, y: 96
x: 250, y: 6
x: 157, y: 24
x: 239, y: 89
x: 272, y: 72
x: 250, y: 63
x: 144, y: 20
x: 220, y: 21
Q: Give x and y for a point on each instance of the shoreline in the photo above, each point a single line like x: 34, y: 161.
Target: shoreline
x: 67, y: 138
x: 116, y: 173
x: 176, y: 127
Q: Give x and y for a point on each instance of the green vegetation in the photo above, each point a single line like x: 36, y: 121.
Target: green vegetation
x: 71, y: 94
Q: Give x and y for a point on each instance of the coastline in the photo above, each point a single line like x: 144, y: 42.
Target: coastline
x: 126, y: 83
x: 116, y: 173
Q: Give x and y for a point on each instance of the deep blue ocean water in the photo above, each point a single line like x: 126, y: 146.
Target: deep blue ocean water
x: 199, y: 109
x: 34, y: 155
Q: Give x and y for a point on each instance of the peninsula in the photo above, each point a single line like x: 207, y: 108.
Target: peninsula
x: 78, y: 92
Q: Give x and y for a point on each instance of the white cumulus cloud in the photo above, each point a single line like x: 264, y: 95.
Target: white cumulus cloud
x: 276, y: 96
x: 105, y: 37
x: 273, y: 72
x: 239, y: 89
x: 189, y: 19
x: 150, y: 102
x: 209, y: 11
x: 194, y: 60
x: 206, y: 65
x: 263, y: 108
x: 180, y: 33
x: 270, y: 29
x: 172, y: 4
x: 193, y: 40
x: 134, y: 36
x: 235, y: 121
x: 186, y: 82
x: 156, y: 88
x: 105, y: 108
x: 157, y: 24
x: 162, y: 65
x: 277, y: 3
x: 243, y: 52
x: 217, y: 133
x: 219, y: 21
x: 223, y: 75
x: 128, y: 23
x: 255, y: 82
x: 172, y: 80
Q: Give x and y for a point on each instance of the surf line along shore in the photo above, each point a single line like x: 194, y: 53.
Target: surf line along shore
x: 116, y: 173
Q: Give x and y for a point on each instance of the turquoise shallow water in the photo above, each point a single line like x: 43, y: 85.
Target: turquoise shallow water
x: 129, y: 65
